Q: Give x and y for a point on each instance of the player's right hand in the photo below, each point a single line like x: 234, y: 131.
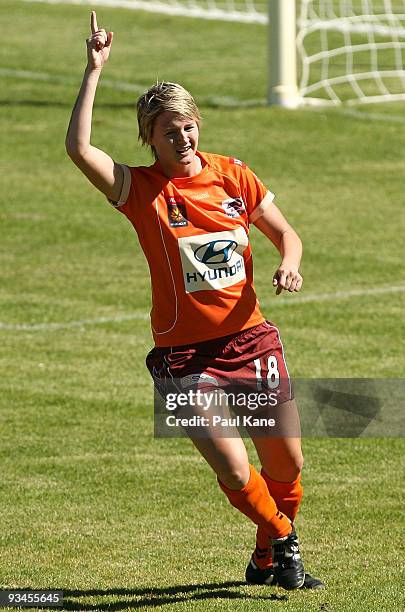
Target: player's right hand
x: 98, y: 44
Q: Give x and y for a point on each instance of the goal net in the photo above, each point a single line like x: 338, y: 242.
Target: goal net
x: 335, y: 51
x: 351, y: 50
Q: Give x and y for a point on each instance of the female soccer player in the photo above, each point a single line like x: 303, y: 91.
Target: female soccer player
x: 192, y: 211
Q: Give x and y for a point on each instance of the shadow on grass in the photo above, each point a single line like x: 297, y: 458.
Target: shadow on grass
x: 137, y: 598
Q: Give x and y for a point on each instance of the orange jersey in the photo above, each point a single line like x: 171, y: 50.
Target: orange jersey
x: 194, y: 232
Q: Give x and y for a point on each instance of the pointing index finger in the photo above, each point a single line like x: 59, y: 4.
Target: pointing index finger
x: 93, y: 22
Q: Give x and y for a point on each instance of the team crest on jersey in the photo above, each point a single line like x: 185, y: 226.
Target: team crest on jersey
x: 237, y: 162
x: 176, y: 212
x: 233, y: 207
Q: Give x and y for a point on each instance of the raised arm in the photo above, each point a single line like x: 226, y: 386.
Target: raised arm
x: 99, y: 168
x: 274, y: 225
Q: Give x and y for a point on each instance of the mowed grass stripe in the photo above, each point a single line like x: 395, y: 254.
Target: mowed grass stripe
x: 220, y: 101
x: 217, y: 101
x: 291, y: 301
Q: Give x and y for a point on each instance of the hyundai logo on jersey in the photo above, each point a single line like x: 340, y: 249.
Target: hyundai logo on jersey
x: 216, y: 251
x: 213, y: 261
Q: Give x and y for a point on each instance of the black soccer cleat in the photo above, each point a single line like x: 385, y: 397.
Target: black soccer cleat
x: 287, y: 564
x: 313, y: 583
x: 255, y: 575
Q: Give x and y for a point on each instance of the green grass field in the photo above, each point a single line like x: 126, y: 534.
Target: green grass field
x: 90, y: 502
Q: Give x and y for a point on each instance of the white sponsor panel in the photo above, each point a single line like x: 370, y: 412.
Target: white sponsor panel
x: 213, y: 261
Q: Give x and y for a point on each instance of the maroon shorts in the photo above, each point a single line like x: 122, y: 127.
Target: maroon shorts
x: 252, y: 359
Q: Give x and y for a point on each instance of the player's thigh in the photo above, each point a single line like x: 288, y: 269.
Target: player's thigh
x: 219, y: 442
x: 227, y: 457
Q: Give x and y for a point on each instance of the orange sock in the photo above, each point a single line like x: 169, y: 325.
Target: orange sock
x: 287, y: 496
x: 254, y: 501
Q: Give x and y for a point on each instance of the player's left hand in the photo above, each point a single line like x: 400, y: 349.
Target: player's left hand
x: 288, y: 278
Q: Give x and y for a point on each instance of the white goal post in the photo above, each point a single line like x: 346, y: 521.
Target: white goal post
x: 320, y: 51
x: 283, y: 79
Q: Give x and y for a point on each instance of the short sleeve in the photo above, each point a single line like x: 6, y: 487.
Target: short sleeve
x: 126, y: 186
x: 255, y: 194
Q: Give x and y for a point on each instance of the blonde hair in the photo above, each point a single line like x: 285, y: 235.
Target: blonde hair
x: 164, y: 96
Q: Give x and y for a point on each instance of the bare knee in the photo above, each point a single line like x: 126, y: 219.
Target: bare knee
x: 228, y: 458
x: 281, y: 458
x: 235, y: 477
x: 287, y: 470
